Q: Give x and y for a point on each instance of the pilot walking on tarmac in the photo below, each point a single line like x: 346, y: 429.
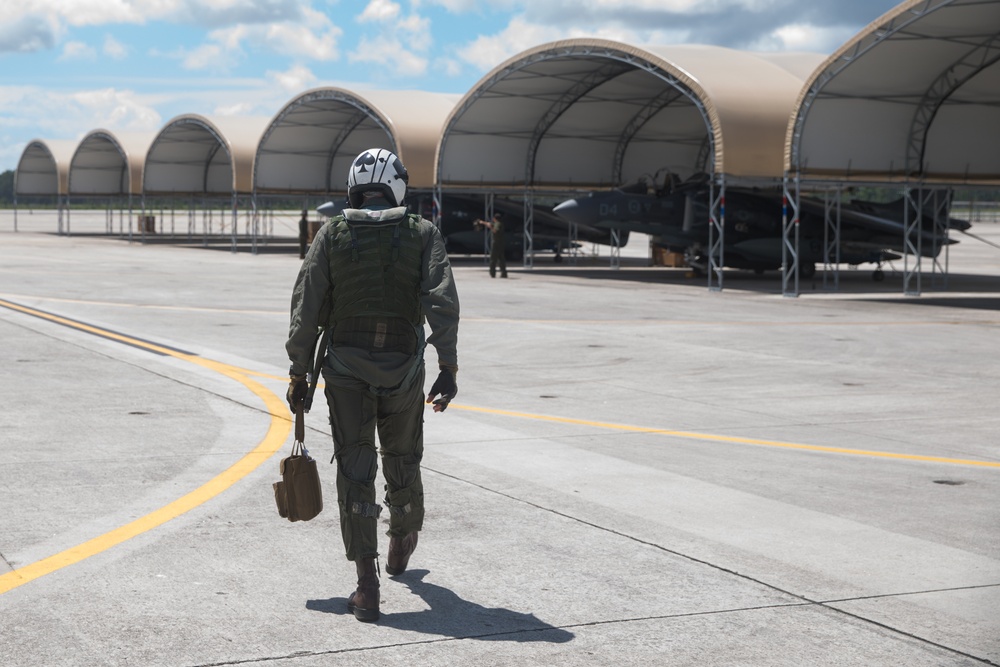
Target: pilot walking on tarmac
x: 497, y: 244
x: 372, y: 276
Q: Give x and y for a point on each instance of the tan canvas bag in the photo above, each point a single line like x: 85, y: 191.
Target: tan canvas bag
x: 299, y: 495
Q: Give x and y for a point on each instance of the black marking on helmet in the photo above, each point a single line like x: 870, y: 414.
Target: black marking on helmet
x: 401, y: 172
x: 364, y: 161
x: 384, y: 165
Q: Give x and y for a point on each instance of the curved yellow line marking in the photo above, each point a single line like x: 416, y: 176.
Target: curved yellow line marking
x: 278, y: 433
x: 729, y: 438
x: 274, y: 439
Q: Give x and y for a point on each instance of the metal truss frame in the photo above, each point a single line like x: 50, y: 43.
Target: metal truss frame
x: 831, y: 239
x: 790, y: 238
x: 716, y: 233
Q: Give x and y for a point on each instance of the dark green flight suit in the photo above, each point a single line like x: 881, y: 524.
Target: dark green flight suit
x: 497, y: 248
x: 374, y: 276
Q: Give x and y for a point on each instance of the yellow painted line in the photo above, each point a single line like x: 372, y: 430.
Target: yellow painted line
x: 278, y: 433
x: 728, y: 438
x: 274, y: 439
x: 150, y: 306
x: 506, y: 320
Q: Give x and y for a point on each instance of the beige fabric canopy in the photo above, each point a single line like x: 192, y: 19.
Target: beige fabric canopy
x: 593, y: 113
x: 44, y: 168
x: 309, y: 144
x: 198, y: 155
x: 109, y: 163
x: 915, y: 95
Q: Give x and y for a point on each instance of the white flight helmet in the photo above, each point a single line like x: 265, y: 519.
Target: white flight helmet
x: 377, y: 169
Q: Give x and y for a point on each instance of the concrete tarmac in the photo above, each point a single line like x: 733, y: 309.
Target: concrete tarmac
x: 636, y: 471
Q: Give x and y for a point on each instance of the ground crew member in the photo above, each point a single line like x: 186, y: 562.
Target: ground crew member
x: 373, y: 274
x: 497, y: 245
x: 303, y: 234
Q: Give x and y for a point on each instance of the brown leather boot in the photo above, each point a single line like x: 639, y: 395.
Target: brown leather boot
x: 400, y: 549
x: 364, y: 601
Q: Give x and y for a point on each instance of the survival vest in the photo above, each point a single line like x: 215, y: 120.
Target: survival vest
x: 375, y: 268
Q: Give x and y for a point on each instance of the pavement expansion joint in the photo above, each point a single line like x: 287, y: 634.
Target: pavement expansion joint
x: 6, y: 562
x: 907, y: 593
x: 805, y: 601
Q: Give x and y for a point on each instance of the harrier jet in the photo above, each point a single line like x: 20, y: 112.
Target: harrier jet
x: 677, y: 217
x: 550, y: 232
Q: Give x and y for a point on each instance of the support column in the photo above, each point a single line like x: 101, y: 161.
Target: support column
x: 488, y: 238
x: 716, y: 234
x: 790, y: 238
x: 142, y: 219
x: 616, y: 248
x: 529, y: 230
x: 236, y: 221
x: 254, y: 222
x: 942, y: 210
x: 436, y: 199
x: 831, y: 239
x: 912, y: 239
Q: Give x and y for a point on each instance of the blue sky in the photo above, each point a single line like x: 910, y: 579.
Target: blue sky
x: 71, y: 66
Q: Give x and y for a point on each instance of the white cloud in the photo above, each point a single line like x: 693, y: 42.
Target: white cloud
x: 285, y: 26
x: 113, y: 48
x: 380, y: 10
x: 55, y: 114
x: 315, y: 39
x: 77, y: 51
x: 245, y: 108
x: 803, y: 37
x: 293, y: 80
x: 398, y: 44
x: 211, y: 57
x: 390, y: 55
x: 207, y: 13
x: 119, y: 109
x: 26, y: 33
x: 486, y: 52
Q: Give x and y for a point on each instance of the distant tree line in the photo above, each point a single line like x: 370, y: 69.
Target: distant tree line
x: 7, y: 187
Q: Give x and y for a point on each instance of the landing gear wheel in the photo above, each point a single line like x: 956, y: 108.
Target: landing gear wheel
x: 807, y: 270
x: 878, y: 275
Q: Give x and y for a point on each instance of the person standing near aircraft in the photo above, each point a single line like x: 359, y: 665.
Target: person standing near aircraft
x: 303, y: 233
x: 372, y: 276
x: 497, y: 245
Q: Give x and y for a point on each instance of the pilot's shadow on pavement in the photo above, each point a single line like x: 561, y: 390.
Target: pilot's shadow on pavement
x: 451, y: 616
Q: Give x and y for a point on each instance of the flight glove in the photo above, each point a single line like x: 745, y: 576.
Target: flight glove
x: 445, y: 386
x: 298, y: 387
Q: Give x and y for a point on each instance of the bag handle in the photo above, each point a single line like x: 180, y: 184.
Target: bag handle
x: 300, y: 424
x: 299, y: 446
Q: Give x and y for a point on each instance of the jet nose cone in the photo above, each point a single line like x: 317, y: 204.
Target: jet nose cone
x: 568, y: 210
x: 331, y: 209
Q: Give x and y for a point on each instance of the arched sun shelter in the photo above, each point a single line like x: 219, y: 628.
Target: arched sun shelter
x: 308, y: 146
x: 109, y: 165
x: 204, y: 159
x: 43, y: 171
x: 590, y: 114
x: 914, y: 100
